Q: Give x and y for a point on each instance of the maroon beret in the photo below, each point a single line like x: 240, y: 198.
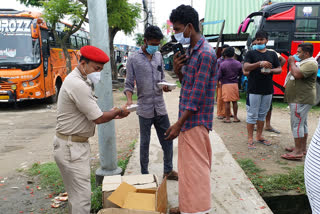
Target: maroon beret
x: 94, y: 54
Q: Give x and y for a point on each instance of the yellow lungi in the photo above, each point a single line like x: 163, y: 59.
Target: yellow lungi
x: 220, y: 104
x: 194, y: 167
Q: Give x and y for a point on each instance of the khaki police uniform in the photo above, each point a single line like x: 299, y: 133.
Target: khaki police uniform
x: 77, y: 108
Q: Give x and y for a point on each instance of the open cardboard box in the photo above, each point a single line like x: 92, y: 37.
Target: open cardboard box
x: 132, y: 200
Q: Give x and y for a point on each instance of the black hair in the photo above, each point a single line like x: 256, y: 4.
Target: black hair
x: 85, y: 59
x: 261, y: 34
x: 225, y: 46
x: 185, y: 14
x: 306, y: 47
x: 153, y: 32
x: 228, y: 52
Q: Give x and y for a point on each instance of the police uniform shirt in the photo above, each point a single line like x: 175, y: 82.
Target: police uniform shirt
x: 77, y: 107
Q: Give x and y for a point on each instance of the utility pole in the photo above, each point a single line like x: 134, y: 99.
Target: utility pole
x: 99, y: 37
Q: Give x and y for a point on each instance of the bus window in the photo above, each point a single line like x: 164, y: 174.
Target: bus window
x: 79, y: 42
x: 306, y: 25
x: 280, y: 40
x: 307, y: 11
x: 73, y: 42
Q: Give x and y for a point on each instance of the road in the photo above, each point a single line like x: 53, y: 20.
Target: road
x: 26, y: 135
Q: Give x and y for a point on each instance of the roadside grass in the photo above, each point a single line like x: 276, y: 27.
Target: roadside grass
x: 134, y: 98
x: 293, y: 180
x: 50, y: 177
x: 276, y: 103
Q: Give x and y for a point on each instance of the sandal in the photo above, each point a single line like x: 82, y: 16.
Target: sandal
x: 291, y: 149
x: 251, y: 145
x: 289, y: 156
x: 237, y: 121
x: 173, y: 175
x: 272, y: 130
x: 226, y: 121
x: 264, y: 142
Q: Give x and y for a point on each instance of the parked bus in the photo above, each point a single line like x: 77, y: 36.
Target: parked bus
x: 32, y: 64
x: 288, y: 25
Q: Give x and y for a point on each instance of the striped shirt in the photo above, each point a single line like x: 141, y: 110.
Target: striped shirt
x: 312, y: 172
x: 198, y: 84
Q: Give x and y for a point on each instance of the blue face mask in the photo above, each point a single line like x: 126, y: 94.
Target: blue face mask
x: 296, y: 58
x: 254, y: 47
x: 151, y: 49
x: 181, y: 39
x: 260, y: 47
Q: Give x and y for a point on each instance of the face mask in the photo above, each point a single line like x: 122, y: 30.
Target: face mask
x: 296, y: 58
x: 261, y: 47
x: 94, y: 77
x: 181, y: 39
x: 254, y: 47
x: 151, y: 49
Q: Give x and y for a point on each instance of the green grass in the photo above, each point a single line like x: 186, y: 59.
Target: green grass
x: 293, y: 180
x: 134, y: 97
x: 50, y: 177
x: 276, y: 103
x: 178, y: 84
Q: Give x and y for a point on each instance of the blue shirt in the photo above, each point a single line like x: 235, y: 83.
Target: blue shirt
x: 146, y: 74
x: 198, y: 85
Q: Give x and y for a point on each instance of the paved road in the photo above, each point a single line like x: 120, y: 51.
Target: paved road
x: 26, y: 135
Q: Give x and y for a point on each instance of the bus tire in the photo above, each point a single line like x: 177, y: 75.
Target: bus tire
x: 54, y: 98
x: 318, y: 92
x: 122, y: 71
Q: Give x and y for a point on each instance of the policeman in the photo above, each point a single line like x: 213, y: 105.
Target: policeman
x: 77, y: 116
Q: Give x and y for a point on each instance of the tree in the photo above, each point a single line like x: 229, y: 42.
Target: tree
x: 121, y: 16
x: 139, y: 39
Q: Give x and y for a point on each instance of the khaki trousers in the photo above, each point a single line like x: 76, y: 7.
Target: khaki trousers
x: 73, y: 160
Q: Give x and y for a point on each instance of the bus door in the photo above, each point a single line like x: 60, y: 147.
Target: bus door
x: 47, y: 68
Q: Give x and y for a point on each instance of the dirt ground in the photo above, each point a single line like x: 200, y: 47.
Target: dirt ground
x: 235, y: 138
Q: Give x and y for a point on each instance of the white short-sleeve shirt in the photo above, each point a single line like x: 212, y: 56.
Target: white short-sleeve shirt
x: 77, y: 106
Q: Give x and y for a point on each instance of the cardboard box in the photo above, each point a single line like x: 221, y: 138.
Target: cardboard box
x: 132, y: 200
x: 110, y: 183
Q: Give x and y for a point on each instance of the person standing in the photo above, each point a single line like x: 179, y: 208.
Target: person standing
x: 300, y: 94
x: 197, y: 71
x: 146, y: 69
x: 261, y: 65
x: 77, y: 116
x: 221, y: 112
x: 229, y: 72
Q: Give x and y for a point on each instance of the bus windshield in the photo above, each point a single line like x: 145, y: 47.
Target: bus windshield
x: 17, y: 47
x: 255, y: 27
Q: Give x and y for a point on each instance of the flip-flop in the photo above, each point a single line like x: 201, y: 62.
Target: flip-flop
x: 264, y: 142
x: 292, y: 157
x: 236, y: 121
x: 291, y: 149
x: 273, y: 130
x: 220, y: 117
x: 251, y: 145
x: 226, y: 121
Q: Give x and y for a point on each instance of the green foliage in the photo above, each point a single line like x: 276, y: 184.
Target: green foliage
x: 294, y: 180
x: 123, y: 15
x: 139, y: 39
x: 123, y: 158
x: 178, y: 84
x: 49, y: 174
x: 55, y: 10
x: 36, y: 3
x: 96, y: 197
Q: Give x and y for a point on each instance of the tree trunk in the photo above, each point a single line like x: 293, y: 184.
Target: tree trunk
x: 67, y: 57
x: 112, y: 34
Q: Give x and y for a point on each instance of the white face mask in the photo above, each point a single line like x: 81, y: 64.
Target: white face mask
x: 94, y: 77
x: 181, y: 39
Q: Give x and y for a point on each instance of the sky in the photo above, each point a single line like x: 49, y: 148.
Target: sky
x: 162, y: 10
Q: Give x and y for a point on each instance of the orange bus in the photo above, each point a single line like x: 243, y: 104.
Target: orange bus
x: 32, y: 64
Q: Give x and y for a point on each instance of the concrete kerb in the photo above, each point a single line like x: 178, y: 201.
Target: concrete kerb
x: 232, y: 192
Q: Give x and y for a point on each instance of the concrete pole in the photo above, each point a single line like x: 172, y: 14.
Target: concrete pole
x: 99, y: 37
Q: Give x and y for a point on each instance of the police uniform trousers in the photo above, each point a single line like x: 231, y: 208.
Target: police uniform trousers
x: 73, y: 160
